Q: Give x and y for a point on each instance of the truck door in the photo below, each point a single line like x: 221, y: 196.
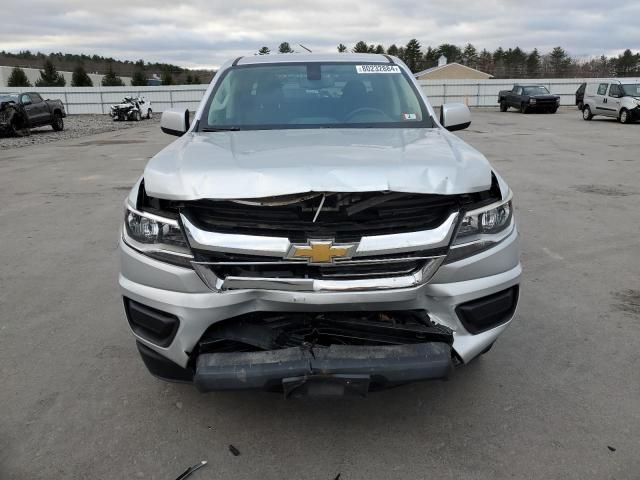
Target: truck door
x: 40, y: 110
x: 516, y: 97
x: 30, y: 109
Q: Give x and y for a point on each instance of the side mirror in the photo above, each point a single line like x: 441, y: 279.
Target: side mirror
x: 175, y: 122
x: 455, y: 116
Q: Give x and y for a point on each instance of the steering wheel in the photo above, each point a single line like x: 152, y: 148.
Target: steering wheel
x: 358, y: 111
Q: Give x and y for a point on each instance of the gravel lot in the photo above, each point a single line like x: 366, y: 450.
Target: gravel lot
x: 556, y: 398
x: 74, y: 126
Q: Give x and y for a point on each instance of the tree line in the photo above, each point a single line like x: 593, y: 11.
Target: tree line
x: 80, y: 64
x: 50, y: 77
x: 501, y: 63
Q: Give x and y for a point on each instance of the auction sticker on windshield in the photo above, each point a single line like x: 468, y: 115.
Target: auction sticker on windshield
x: 377, y: 69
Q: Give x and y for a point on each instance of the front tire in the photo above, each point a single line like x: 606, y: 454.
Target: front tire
x: 19, y: 130
x: 137, y: 117
x: 58, y: 122
x: 149, y: 114
x: 503, y: 106
x: 524, y: 108
x: 625, y: 116
x: 586, y: 113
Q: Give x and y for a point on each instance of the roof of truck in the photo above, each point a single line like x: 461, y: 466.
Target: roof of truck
x: 316, y: 57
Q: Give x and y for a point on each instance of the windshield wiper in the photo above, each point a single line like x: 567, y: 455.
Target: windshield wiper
x: 220, y: 129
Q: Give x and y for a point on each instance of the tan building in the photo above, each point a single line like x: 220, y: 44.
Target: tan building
x: 456, y: 71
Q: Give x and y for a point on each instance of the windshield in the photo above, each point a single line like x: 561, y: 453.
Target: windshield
x: 314, y: 95
x: 631, y: 89
x: 536, y: 91
x: 8, y: 98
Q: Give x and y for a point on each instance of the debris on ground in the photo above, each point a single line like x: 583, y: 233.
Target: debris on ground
x: 190, y: 470
x: 75, y: 126
x: 234, y: 450
x: 611, y: 449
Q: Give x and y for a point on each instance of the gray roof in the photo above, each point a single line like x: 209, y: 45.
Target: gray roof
x: 439, y: 67
x: 316, y: 57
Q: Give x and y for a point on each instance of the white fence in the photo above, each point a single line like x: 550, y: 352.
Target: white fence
x: 475, y: 93
x: 484, y: 93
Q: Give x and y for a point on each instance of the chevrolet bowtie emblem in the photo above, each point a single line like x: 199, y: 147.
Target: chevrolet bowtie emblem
x: 321, y: 251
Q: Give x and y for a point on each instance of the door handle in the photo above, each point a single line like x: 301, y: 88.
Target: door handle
x: 604, y: 101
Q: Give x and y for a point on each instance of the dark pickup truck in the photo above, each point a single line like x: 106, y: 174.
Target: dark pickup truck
x: 527, y: 98
x: 21, y: 112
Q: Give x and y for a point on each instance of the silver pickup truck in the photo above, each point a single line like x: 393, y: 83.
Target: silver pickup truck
x: 316, y: 229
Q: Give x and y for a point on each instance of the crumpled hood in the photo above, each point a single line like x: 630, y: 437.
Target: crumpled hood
x: 122, y: 105
x: 264, y: 163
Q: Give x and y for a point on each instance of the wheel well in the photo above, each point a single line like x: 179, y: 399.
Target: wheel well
x: 57, y: 111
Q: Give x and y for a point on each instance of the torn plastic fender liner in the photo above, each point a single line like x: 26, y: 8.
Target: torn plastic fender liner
x: 267, y: 369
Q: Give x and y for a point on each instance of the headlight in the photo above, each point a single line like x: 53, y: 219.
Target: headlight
x: 532, y: 100
x: 557, y: 101
x: 482, y: 229
x: 157, y: 237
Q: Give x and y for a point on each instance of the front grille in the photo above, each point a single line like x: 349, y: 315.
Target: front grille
x: 224, y: 265
x: 546, y: 103
x: 344, y: 217
x: 344, y: 271
x: 259, y: 331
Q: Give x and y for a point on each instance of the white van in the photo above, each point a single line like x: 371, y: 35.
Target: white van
x: 618, y: 98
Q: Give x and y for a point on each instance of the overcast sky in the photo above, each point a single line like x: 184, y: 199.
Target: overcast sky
x: 204, y: 33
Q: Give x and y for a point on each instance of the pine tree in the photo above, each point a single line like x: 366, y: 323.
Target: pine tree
x: 166, y: 77
x: 413, y: 55
x: 559, y: 61
x: 361, y: 47
x: 470, y: 56
x: 533, y: 64
x: 342, y: 48
x: 285, y: 48
x: 485, y: 62
x: 518, y: 61
x: 401, y: 54
x: 379, y: 49
x: 18, y: 78
x: 452, y: 52
x: 430, y: 58
x: 80, y: 77
x: 498, y: 62
x: 49, y: 76
x: 139, y: 77
x: 627, y: 64
x: 392, y: 50
x: 111, y: 79
x: 264, y: 51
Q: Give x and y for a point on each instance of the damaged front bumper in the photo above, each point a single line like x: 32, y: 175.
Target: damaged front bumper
x: 338, y: 369
x: 461, y: 297
x: 337, y: 353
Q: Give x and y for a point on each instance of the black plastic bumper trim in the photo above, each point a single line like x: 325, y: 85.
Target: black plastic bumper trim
x: 267, y: 370
x: 488, y: 312
x: 162, y: 367
x: 153, y: 325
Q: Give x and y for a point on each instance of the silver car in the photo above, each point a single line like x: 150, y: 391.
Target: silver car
x: 613, y: 98
x: 316, y: 229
